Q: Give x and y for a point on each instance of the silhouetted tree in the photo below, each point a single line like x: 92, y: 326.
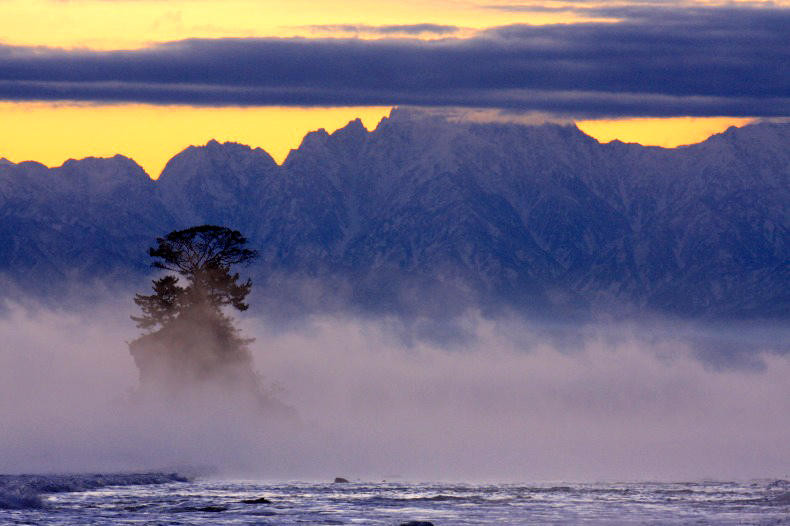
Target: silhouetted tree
x: 187, y: 335
x: 203, y: 256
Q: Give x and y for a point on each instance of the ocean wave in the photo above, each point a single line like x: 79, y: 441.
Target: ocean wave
x: 778, y: 492
x: 400, y: 501
x: 19, y: 499
x: 780, y: 486
x: 783, y: 499
x: 24, y: 491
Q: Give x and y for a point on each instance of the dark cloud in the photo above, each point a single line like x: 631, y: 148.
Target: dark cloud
x: 399, y: 29
x: 662, y: 62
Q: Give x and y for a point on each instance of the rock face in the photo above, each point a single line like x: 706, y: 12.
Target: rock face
x: 259, y: 500
x: 423, y: 214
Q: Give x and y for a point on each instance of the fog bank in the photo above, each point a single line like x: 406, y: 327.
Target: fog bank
x: 505, y: 400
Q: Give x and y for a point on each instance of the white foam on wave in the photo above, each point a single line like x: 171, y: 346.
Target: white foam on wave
x: 24, y: 491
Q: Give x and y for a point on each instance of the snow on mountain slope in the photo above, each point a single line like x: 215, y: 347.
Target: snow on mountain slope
x: 537, y: 217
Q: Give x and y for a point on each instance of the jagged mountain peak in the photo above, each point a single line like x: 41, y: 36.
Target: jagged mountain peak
x: 313, y: 139
x: 217, y: 147
x: 757, y: 151
x: 426, y: 207
x: 214, y: 159
x: 760, y: 135
x: 345, y: 142
x: 104, y: 173
x: 447, y: 137
x: 214, y: 148
x: 117, y: 161
x: 23, y: 166
x: 354, y: 131
x: 207, y: 181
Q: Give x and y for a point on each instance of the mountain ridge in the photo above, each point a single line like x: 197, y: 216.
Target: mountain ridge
x: 323, y: 131
x: 542, y: 218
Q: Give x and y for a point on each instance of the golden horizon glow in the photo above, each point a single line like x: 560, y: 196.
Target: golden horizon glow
x: 52, y: 133
x: 151, y: 135
x: 668, y: 132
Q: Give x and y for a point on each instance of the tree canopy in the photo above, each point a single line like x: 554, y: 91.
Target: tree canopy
x: 203, y: 256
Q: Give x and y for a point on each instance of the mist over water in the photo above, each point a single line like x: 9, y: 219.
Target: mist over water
x: 384, y: 397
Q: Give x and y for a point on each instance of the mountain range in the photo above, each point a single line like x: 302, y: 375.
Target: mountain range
x: 429, y: 214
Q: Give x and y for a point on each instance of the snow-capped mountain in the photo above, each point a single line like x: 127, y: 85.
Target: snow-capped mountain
x: 427, y: 213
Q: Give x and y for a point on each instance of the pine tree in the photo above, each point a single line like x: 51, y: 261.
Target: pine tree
x: 203, y: 256
x: 188, y: 337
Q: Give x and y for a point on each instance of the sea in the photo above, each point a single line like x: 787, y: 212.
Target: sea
x: 173, y: 499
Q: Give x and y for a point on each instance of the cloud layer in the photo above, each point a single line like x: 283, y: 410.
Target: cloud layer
x: 654, y: 62
x: 505, y: 403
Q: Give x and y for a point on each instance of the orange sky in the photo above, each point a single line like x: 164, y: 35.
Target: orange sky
x: 125, y: 24
x: 53, y: 132
x: 151, y: 135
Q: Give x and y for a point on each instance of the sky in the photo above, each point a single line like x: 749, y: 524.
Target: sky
x: 147, y: 78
